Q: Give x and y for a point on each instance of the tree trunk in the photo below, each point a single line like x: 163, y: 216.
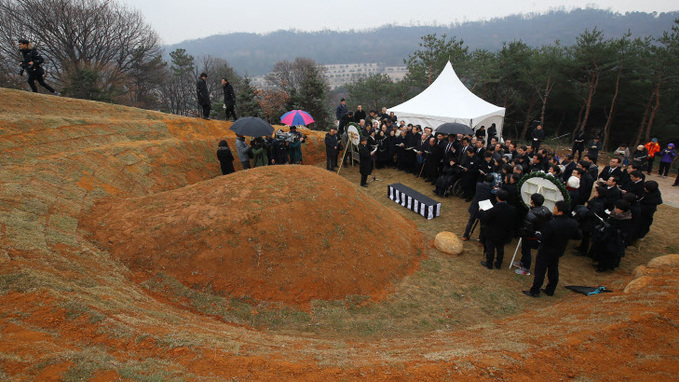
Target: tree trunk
x: 642, y: 125
x: 655, y: 108
x: 548, y: 89
x: 609, y: 120
x: 582, y: 110
x: 594, y: 81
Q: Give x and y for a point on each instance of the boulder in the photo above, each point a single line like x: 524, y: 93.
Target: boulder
x: 667, y: 261
x: 637, y: 285
x: 449, y: 243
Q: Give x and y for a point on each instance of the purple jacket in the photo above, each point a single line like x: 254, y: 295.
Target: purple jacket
x: 668, y: 154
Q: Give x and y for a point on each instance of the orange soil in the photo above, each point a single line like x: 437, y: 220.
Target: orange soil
x: 288, y: 234
x: 69, y: 310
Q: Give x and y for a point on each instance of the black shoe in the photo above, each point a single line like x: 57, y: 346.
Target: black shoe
x: 364, y: 185
x: 485, y: 264
x: 531, y: 294
x: 547, y: 293
x: 498, y: 265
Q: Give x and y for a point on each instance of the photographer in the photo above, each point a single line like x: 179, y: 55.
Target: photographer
x: 295, y: 146
x: 32, y: 65
x: 259, y: 152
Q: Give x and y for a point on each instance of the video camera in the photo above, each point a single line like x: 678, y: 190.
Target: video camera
x: 289, y: 136
x: 260, y: 142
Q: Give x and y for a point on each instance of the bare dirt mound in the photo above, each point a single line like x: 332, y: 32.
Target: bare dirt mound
x: 288, y: 234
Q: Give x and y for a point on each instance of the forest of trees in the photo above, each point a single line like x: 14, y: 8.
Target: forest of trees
x: 623, y: 88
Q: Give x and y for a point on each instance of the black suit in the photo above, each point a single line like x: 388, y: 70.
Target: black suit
x: 203, y: 97
x: 607, y: 172
x: 497, y: 232
x: 553, y: 238
x: 331, y: 151
x: 635, y: 188
x: 366, y: 166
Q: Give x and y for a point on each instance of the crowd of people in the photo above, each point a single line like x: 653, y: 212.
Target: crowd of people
x: 282, y: 148
x: 609, y: 208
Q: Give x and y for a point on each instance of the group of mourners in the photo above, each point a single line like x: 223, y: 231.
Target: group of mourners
x: 282, y: 148
x: 607, y: 208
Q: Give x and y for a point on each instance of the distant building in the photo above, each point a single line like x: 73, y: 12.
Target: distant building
x: 341, y: 74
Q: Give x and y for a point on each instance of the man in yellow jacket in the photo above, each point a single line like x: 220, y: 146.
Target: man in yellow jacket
x: 653, y: 147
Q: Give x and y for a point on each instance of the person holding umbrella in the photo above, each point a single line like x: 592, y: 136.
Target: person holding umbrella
x: 251, y: 127
x: 243, y: 152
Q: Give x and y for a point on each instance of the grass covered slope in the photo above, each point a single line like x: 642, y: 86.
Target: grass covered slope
x: 288, y: 234
x: 73, y: 310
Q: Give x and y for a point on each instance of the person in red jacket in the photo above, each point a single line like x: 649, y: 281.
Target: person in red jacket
x: 653, y: 147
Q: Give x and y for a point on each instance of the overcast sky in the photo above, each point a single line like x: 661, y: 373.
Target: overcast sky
x: 179, y: 20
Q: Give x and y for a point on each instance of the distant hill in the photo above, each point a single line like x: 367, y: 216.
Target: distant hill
x: 255, y: 54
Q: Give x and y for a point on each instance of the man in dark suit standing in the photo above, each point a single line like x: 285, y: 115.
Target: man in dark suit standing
x: 229, y: 99
x: 497, y: 231
x: 553, y: 240
x: 203, y: 95
x: 537, y: 136
x: 365, y: 157
x: 331, y: 149
x: 483, y: 192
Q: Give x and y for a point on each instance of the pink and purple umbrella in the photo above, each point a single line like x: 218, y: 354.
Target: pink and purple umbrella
x: 296, y: 118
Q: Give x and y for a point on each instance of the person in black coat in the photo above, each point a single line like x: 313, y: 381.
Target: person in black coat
x: 432, y: 160
x: 483, y: 192
x: 365, y: 156
x: 536, y: 137
x: 203, y: 95
x: 470, y: 164
x: 635, y: 185
x: 359, y: 114
x: 569, y: 165
x: 32, y: 65
x: 497, y: 233
x: 579, y: 144
x: 449, y: 175
x: 590, y: 217
x: 553, y: 240
x: 229, y: 99
x: 492, y: 132
x: 331, y: 149
x: 225, y: 158
x: 593, y: 149
x: 535, y: 220
x: 586, y: 182
x: 610, y: 241
x: 649, y: 203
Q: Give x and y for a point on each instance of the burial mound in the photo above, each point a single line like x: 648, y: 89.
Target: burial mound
x: 289, y: 234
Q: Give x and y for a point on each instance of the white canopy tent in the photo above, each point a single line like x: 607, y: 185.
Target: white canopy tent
x: 448, y: 100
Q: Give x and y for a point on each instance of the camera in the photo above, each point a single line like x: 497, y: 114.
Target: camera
x: 259, y: 142
x: 290, y: 136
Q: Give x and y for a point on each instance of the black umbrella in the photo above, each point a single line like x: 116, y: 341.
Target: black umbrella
x: 454, y: 128
x: 252, y: 127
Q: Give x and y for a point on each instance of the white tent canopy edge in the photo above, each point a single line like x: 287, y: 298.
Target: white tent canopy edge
x: 447, y: 99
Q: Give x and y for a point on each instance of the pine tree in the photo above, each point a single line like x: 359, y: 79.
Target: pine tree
x: 247, y: 101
